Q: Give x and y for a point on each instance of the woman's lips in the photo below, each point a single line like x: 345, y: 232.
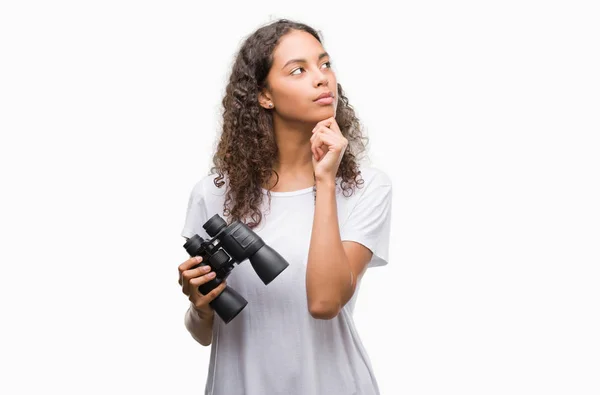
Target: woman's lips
x: 325, y: 101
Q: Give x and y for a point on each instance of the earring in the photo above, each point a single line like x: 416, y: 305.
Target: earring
x: 270, y: 105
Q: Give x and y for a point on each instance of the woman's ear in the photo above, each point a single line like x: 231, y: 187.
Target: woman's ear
x: 264, y: 99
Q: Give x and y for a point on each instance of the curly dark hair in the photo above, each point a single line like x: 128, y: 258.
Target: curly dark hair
x: 247, y: 150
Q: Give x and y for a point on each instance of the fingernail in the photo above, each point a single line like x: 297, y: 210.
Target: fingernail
x: 199, y: 258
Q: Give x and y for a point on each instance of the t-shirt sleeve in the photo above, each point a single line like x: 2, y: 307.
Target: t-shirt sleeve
x: 369, y: 223
x: 196, y: 215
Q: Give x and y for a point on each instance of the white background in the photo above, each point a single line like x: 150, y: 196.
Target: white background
x: 484, y: 114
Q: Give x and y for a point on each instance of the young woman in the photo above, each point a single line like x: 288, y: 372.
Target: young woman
x: 286, y: 165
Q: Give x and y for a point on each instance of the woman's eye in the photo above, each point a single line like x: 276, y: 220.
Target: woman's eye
x: 299, y: 68
x: 302, y: 68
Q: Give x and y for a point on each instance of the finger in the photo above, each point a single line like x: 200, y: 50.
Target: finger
x: 332, y: 132
x: 327, y: 131
x: 330, y: 140
x: 198, y: 281
x: 322, y: 142
x: 316, y: 145
x: 193, y: 261
x: 320, y: 127
x: 312, y: 144
x: 189, y: 275
x: 322, y: 124
x: 333, y: 139
x: 329, y: 124
x: 189, y: 263
x: 209, y: 297
x: 335, y: 128
x: 316, y: 142
x: 332, y: 123
x: 204, y: 300
x: 326, y: 122
x: 321, y: 152
x: 313, y: 148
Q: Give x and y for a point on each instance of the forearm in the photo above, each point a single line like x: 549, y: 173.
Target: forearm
x: 328, y: 275
x: 200, y: 329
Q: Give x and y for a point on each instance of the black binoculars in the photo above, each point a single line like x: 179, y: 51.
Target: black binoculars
x: 229, y: 245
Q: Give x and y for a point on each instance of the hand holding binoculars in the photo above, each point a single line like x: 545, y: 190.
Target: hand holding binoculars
x: 230, y: 245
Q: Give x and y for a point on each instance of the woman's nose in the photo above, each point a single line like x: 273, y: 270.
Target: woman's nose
x: 322, y: 80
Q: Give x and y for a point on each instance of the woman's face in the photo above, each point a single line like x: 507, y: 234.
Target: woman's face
x: 300, y: 73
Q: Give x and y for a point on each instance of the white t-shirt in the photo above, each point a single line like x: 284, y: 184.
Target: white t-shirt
x: 274, y: 346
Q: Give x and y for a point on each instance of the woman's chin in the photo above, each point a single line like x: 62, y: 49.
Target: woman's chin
x: 323, y: 113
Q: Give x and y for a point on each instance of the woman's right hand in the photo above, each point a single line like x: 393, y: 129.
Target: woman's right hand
x: 191, y: 278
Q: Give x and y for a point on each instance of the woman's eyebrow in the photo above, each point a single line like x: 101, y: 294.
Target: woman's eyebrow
x: 324, y: 54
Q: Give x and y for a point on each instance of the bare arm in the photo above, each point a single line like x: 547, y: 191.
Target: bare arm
x: 334, y: 267
x: 200, y: 329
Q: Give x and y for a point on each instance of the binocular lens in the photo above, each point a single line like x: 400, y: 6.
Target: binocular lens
x: 228, y: 304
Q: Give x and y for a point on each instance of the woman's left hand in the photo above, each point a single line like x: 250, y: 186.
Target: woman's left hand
x: 328, y: 146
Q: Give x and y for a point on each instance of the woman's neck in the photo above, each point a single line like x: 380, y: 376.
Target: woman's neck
x: 294, y: 162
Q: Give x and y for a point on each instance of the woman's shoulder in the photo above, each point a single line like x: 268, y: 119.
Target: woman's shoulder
x: 206, y: 186
x: 374, y: 176
x: 371, y: 179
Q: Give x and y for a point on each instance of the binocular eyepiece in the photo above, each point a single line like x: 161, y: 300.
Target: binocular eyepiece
x: 229, y: 245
